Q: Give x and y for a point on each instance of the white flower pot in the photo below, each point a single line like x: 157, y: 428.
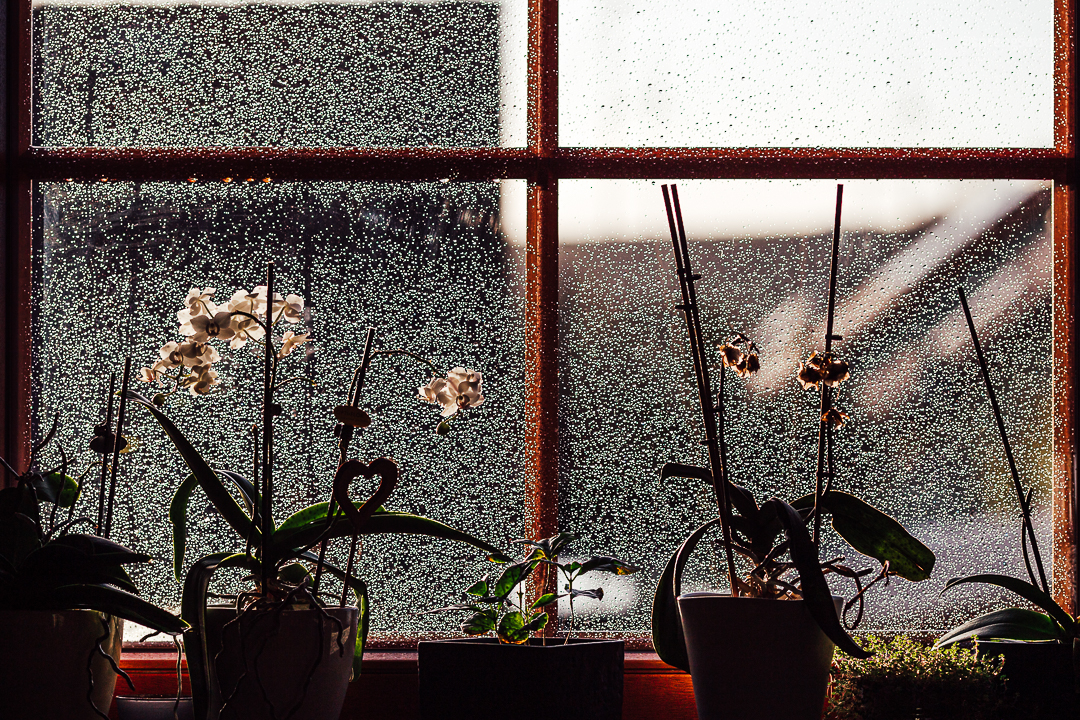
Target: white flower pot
x: 752, y: 658
x: 277, y: 664
x: 46, y: 660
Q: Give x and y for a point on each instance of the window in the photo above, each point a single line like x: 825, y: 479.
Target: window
x: 448, y: 172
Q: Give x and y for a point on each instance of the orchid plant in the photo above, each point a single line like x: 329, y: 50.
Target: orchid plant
x: 791, y: 568
x: 280, y: 557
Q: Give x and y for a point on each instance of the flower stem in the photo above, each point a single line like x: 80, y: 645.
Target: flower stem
x: 267, y: 430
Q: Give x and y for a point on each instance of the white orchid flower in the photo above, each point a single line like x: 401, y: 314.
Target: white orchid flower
x: 243, y: 327
x: 202, y: 328
x: 198, y: 302
x: 170, y: 356
x: 153, y: 373
x: 195, y: 354
x: 201, y: 380
x: 460, y: 389
x: 291, y: 308
x: 291, y: 341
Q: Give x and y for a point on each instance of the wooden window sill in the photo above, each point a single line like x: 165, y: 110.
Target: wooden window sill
x: 388, y: 686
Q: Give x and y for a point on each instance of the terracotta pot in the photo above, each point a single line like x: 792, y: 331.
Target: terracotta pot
x: 1042, y: 675
x: 46, y: 661
x: 752, y: 658
x: 269, y: 664
x: 474, y: 677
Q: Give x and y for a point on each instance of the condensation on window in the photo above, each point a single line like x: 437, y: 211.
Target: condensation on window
x: 920, y: 443
x: 806, y: 74
x: 285, y: 74
x: 426, y: 264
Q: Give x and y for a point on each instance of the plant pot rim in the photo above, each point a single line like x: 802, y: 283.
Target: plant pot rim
x: 717, y: 595
x: 553, y: 642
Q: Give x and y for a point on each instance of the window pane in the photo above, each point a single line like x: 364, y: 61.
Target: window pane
x: 920, y: 443
x: 289, y: 74
x: 804, y: 74
x: 425, y: 264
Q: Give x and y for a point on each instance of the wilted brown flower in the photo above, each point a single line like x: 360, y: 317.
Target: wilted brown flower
x: 732, y: 355
x: 826, y: 368
x: 750, y: 364
x: 834, y: 417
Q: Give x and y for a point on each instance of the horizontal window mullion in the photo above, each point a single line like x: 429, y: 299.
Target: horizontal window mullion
x: 578, y: 163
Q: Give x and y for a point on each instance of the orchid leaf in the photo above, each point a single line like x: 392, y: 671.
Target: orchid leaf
x: 115, y: 602
x: 101, y: 549
x: 193, y: 610
x: 53, y: 487
x: 178, y: 519
x: 1025, y: 590
x: 667, y: 632
x: 208, y: 480
x: 57, y: 564
x: 875, y: 534
x: 1007, y: 624
x: 815, y: 590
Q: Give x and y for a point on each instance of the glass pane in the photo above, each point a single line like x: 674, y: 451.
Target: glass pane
x: 920, y: 443
x: 427, y: 265
x: 805, y: 74
x: 287, y: 74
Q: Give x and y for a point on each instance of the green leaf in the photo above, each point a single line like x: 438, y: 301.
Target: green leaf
x: 56, y: 488
x: 875, y: 534
x: 480, y: 622
x: 115, y: 602
x: 208, y: 480
x: 178, y: 519
x: 815, y: 590
x: 667, y: 632
x: 536, y: 624
x: 544, y: 600
x: 311, y: 516
x: 478, y: 589
x: 512, y: 629
x: 193, y: 610
x: 19, y: 537
x: 609, y: 565
x: 1025, y: 590
x: 101, y: 549
x: 294, y: 573
x: 380, y: 523
x: 55, y: 564
x: 511, y: 577
x: 1007, y: 624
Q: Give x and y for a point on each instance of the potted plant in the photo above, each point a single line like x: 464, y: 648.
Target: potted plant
x: 63, y: 594
x: 502, y: 660
x: 283, y: 648
x: 1041, y: 650
x: 906, y: 679
x: 762, y: 648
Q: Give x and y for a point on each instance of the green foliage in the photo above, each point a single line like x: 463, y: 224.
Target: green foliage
x: 502, y: 608
x: 905, y: 679
x: 1014, y: 623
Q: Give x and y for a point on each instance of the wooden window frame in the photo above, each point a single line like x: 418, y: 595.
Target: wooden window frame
x: 542, y: 163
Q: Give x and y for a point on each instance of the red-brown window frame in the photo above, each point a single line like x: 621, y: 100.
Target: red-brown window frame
x: 542, y: 163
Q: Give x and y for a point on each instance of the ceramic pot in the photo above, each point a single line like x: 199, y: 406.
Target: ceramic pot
x: 474, y: 677
x: 46, y: 662
x: 1042, y: 676
x: 288, y: 663
x: 753, y: 658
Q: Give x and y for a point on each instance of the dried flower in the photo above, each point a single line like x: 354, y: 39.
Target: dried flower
x: 825, y: 368
x: 834, y: 417
x: 743, y: 362
x: 731, y: 355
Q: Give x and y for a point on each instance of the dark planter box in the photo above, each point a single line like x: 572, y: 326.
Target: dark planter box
x: 1042, y: 676
x: 479, y: 676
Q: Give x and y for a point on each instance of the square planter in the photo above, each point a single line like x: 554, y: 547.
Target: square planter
x: 1042, y: 675
x: 464, y: 678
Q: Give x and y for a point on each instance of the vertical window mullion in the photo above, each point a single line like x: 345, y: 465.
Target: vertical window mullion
x: 542, y: 269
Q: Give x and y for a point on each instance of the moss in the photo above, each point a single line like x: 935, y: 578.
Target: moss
x: 905, y: 680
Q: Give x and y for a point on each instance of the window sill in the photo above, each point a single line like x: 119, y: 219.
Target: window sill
x: 387, y: 687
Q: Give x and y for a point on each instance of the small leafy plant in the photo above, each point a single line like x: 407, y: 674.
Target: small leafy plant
x: 501, y: 607
x: 905, y: 679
